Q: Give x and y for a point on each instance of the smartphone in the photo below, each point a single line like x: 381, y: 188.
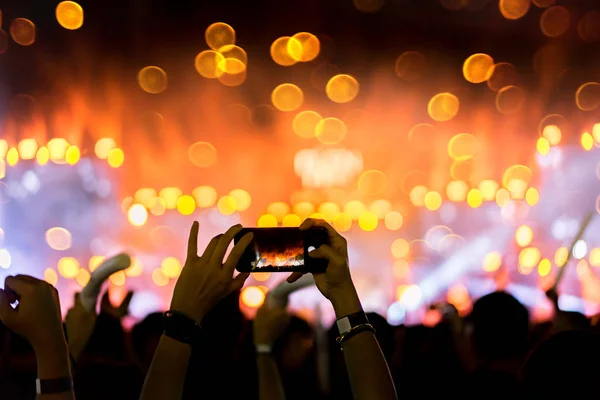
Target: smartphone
x: 282, y: 250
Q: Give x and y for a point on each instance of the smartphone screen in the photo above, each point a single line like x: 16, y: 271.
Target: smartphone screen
x: 282, y: 250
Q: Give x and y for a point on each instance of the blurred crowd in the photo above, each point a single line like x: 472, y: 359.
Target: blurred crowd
x: 493, y: 352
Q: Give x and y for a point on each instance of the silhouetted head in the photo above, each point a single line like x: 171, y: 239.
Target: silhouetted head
x: 500, y: 327
x: 295, y: 344
x: 565, y: 363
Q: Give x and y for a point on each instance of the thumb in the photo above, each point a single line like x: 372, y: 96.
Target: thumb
x: 238, y: 282
x: 7, y: 313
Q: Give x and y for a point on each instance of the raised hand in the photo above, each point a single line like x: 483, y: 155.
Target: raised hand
x: 80, y: 325
x: 37, y: 317
x: 205, y: 280
x: 119, y: 311
x: 269, y: 324
x: 335, y: 283
x: 89, y: 294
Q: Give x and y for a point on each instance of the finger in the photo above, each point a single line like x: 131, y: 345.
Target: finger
x: 192, y: 249
x: 210, y: 249
x: 308, y: 222
x: 325, y: 252
x: 7, y: 313
x: 17, y: 284
x: 331, y: 232
x: 221, y: 248
x: 294, y: 277
x: 236, y: 253
x: 27, y: 278
x: 238, y: 282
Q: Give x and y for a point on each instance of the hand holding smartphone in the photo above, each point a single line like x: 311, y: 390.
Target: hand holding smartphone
x: 282, y: 250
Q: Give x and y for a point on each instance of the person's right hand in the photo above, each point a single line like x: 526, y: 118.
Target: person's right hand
x: 269, y: 324
x: 205, y: 280
x: 336, y: 282
x: 37, y: 317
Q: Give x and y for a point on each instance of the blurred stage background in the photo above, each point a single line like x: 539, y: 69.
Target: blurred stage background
x: 453, y: 142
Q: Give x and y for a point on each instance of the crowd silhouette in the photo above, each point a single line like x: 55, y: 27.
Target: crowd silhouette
x: 204, y: 348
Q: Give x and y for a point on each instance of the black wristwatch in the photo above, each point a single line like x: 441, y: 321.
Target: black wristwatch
x: 180, y: 327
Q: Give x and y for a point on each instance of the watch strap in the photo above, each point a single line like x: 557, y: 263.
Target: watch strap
x: 50, y: 386
x: 345, y: 324
x: 180, y: 327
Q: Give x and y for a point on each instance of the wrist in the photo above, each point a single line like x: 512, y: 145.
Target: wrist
x: 345, y: 302
x: 53, y: 360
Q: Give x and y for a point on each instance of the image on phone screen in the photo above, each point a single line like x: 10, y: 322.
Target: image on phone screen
x: 281, y: 250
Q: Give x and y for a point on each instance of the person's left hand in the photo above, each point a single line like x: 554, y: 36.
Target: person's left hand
x: 37, y: 317
x: 205, y: 280
x: 119, y: 311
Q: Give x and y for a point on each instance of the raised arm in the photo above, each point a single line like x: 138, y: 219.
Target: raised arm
x: 367, y: 369
x: 269, y: 324
x: 37, y: 317
x: 203, y: 282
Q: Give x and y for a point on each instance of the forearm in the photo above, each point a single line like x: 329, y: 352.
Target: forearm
x: 53, y: 363
x: 166, y: 376
x: 368, y: 371
x: 270, y: 386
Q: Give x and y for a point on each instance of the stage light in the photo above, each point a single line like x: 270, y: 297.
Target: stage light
x: 186, y: 205
x: 278, y: 209
x: 492, y: 261
x: 342, y: 222
x: 544, y: 267
x: 153, y: 79
x: 342, y: 88
x: 579, y: 250
x: 394, y: 220
x: 291, y: 220
x: 69, y: 15
x: 159, y: 278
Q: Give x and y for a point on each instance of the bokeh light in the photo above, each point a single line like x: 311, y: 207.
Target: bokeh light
x: 368, y: 221
x: 432, y: 201
x: 287, y: 97
x: 280, y: 53
x: 410, y: 65
x: 514, y: 9
x: 372, y: 183
x: 159, y: 278
x: 51, y: 276
x: 227, y: 205
x: 171, y: 267
x: 478, y: 68
x: 58, y: 238
x: 252, y: 297
x: 137, y: 215
x: 207, y: 64
x: 555, y: 21
x: 116, y: 157
x: 474, y: 198
x: 400, y: 248
x: 587, y: 96
x: 267, y: 221
x: 202, y: 154
x: 331, y: 131
x: 510, y: 99
x: 492, y: 261
x: 68, y: 267
x: 342, y: 88
x: 305, y: 123
x: 524, y: 235
x: 291, y: 221
x: 153, y: 79
x: 342, y: 222
x: 443, y: 107
x: 69, y: 15
x: 186, y: 205
x: 22, y: 31
x: 394, y: 220
x: 103, y: 147
x: 206, y: 196
x: 218, y: 35
x: 309, y: 47
x: 242, y: 199
x: 504, y: 74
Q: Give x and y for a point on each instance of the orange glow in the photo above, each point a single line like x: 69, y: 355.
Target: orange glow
x: 504, y: 74
x: 432, y: 201
x: 372, y: 183
x: 400, y: 248
x: 510, y: 99
x: 252, y: 297
x: 492, y: 262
